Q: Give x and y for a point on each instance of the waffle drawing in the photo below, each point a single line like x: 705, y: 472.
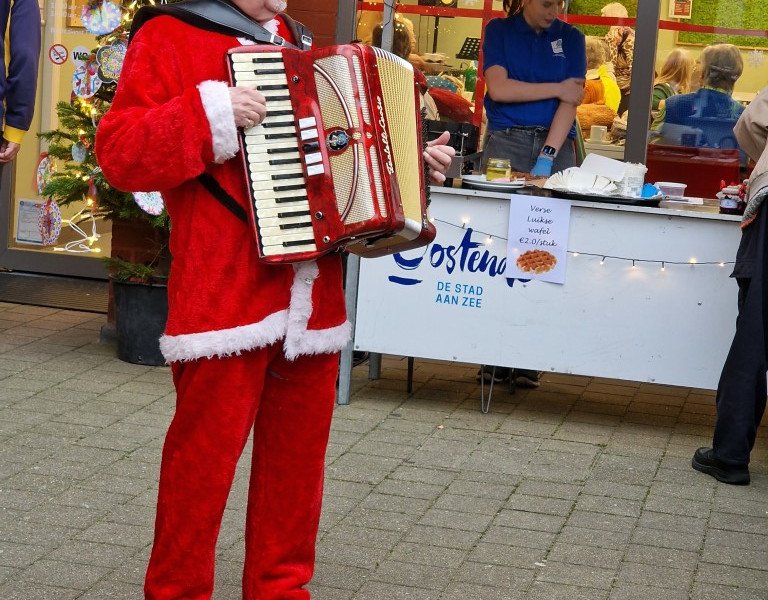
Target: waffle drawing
x: 536, y: 261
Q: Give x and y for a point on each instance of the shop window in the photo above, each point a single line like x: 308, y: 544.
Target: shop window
x: 83, y: 234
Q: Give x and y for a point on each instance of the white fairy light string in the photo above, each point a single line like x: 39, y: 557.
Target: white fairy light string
x: 465, y: 221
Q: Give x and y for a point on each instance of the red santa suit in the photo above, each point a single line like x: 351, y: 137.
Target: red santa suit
x: 252, y: 346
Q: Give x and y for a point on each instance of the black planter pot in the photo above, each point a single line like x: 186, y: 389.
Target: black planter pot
x: 140, y: 314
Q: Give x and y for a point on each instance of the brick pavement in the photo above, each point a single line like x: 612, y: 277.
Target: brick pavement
x: 581, y: 489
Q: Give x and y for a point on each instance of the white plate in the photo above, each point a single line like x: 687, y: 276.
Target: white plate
x: 479, y: 182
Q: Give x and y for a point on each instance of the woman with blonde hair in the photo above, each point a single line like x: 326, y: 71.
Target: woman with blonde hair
x: 674, y: 78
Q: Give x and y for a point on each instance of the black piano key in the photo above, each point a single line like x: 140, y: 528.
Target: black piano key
x: 278, y: 98
x: 278, y: 124
x: 298, y: 242
x: 273, y: 86
x: 291, y: 198
x: 279, y: 136
x: 269, y: 71
x: 267, y: 59
x: 279, y: 113
x: 296, y: 225
x: 281, y: 150
x: 284, y: 161
x: 280, y: 176
x: 298, y: 213
x: 288, y: 188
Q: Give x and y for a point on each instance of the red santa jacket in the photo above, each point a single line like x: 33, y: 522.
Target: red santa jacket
x: 170, y: 121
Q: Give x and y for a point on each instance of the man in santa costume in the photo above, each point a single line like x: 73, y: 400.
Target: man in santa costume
x: 251, y: 346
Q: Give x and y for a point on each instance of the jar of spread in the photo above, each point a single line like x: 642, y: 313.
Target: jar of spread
x: 732, y: 199
x: 498, y: 168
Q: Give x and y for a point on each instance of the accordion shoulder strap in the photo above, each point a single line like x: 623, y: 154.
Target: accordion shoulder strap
x: 218, y: 192
x: 212, y: 15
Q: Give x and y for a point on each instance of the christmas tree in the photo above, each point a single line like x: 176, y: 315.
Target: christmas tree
x: 76, y: 175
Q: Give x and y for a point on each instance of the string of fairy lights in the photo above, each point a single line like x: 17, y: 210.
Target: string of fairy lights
x: 489, y: 238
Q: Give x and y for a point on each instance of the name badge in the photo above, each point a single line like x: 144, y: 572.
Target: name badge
x: 557, y: 46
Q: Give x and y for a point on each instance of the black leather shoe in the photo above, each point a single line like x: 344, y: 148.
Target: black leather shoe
x: 704, y: 460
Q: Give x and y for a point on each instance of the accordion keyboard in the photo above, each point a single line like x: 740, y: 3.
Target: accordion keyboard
x: 276, y: 152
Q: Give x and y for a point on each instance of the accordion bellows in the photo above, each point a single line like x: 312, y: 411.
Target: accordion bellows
x: 337, y: 162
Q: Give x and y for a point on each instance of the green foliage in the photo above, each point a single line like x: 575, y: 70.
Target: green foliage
x: 124, y: 271
x: 738, y: 15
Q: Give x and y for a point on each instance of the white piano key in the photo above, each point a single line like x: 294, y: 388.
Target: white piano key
x: 284, y: 196
x: 280, y: 251
x: 295, y: 172
x: 238, y: 57
x: 275, y: 145
x: 271, y: 185
x: 272, y: 212
x: 278, y: 233
x: 287, y: 237
x: 270, y: 221
x: 264, y: 159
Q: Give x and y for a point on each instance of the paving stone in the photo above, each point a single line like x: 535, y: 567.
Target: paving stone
x: 24, y: 590
x: 543, y: 590
x: 506, y: 555
x: 654, y: 576
x: 592, y: 556
x: 504, y: 577
x: 63, y: 574
x: 637, y: 591
x: 706, y: 591
x: 374, y: 590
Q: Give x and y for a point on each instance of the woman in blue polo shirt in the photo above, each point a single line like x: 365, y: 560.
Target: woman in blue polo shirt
x: 535, y: 66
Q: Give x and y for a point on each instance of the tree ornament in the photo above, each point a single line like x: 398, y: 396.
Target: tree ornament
x: 150, y: 202
x: 43, y: 172
x: 101, y: 17
x: 111, y: 61
x: 79, y: 152
x: 49, y: 222
x: 85, y: 80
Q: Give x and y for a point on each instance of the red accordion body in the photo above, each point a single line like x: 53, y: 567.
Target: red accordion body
x: 337, y: 162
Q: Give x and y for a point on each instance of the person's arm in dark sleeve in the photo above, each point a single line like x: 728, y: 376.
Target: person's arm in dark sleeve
x: 21, y: 84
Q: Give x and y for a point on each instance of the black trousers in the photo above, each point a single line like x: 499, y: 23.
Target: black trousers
x: 741, y: 392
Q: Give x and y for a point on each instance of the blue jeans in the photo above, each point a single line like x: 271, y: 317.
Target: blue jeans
x: 522, y: 146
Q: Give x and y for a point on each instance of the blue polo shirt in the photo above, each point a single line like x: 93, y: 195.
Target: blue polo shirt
x: 551, y: 56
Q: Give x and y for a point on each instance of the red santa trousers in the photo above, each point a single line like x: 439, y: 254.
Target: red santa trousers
x: 289, y: 405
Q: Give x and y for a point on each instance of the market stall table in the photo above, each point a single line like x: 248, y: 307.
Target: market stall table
x: 647, y: 295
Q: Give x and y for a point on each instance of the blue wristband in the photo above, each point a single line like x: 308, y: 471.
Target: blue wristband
x: 543, y: 166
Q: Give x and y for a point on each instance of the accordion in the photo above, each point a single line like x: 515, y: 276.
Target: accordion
x: 337, y: 162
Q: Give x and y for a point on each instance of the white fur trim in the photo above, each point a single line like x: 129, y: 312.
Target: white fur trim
x: 224, y: 342
x: 320, y: 341
x: 298, y: 339
x: 218, y: 108
x: 271, y: 26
